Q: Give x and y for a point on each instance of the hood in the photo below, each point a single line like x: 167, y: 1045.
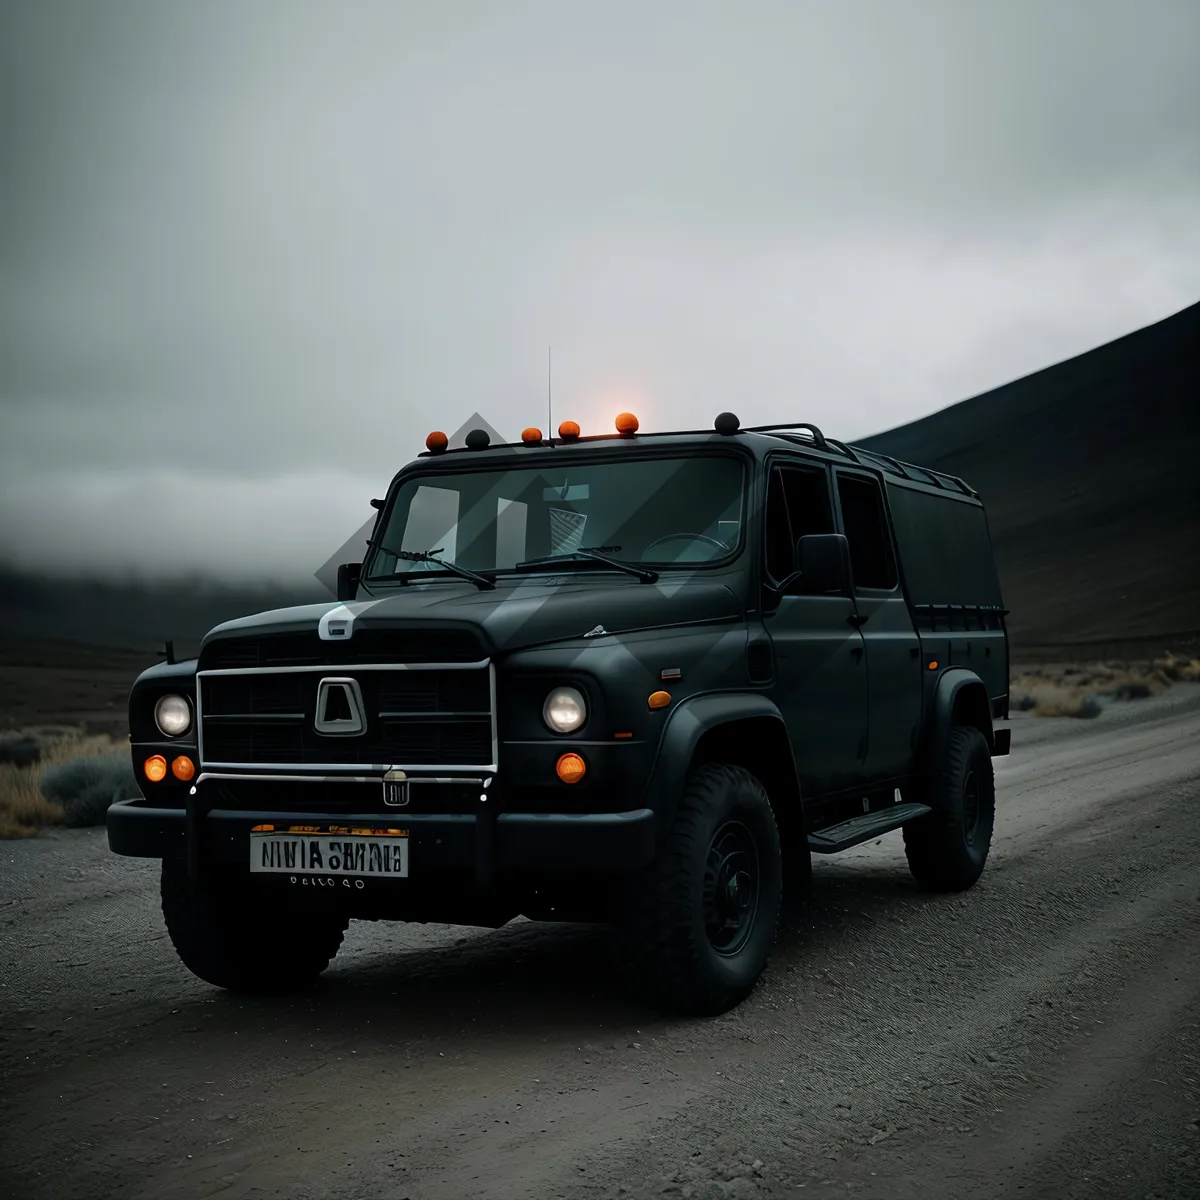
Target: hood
x: 516, y: 615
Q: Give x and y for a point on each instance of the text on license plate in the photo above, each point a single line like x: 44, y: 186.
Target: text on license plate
x: 329, y: 854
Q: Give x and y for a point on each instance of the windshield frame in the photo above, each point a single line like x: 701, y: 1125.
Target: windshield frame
x: 510, y: 459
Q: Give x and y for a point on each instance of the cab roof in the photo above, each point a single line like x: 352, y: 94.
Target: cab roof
x: 760, y: 438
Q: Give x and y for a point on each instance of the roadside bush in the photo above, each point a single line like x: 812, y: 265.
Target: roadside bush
x: 1054, y: 701
x: 85, y: 787
x: 21, y: 751
x: 1079, y: 691
x: 1177, y: 669
x: 24, y: 811
x: 26, y: 808
x: 1137, y: 689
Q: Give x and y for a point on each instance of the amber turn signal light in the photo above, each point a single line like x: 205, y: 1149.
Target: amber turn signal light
x: 659, y: 699
x: 568, y: 431
x: 436, y: 442
x: 155, y: 768
x: 627, y: 424
x: 933, y: 665
x: 571, y: 768
x: 183, y: 768
x: 531, y: 436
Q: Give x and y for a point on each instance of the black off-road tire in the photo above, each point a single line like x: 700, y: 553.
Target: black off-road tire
x: 697, y: 926
x: 947, y: 849
x: 243, y: 944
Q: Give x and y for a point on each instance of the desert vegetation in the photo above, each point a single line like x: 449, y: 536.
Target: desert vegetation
x: 60, y: 777
x: 1076, y: 690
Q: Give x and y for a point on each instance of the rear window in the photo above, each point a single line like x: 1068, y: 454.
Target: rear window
x: 944, y: 547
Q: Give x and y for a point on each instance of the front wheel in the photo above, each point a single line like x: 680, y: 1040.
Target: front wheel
x: 240, y: 943
x: 698, y: 925
x: 947, y: 849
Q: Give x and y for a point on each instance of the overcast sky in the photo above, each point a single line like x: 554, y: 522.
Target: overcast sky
x: 251, y: 253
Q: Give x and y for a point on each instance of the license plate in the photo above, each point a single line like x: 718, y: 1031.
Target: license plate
x: 361, y: 853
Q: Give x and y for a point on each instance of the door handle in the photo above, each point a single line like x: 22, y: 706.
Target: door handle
x: 858, y: 619
x: 856, y: 652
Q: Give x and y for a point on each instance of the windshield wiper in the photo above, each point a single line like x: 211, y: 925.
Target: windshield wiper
x: 646, y: 576
x: 480, y: 581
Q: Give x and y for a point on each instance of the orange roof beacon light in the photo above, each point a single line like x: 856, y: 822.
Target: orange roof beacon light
x: 571, y: 768
x: 183, y: 768
x: 531, y: 436
x: 627, y: 424
x: 155, y: 768
x: 659, y: 699
x: 568, y: 431
x: 436, y: 442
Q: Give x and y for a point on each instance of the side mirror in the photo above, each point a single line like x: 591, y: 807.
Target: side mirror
x: 347, y: 580
x: 823, y: 565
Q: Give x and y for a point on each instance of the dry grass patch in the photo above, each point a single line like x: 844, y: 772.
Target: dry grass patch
x: 24, y: 809
x: 1178, y: 669
x: 1077, y: 689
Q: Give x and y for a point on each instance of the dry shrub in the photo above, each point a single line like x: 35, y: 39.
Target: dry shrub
x: 1178, y: 669
x: 1076, y: 690
x: 86, y: 786
x: 1132, y: 685
x: 1053, y: 700
x: 20, y: 750
x: 24, y: 809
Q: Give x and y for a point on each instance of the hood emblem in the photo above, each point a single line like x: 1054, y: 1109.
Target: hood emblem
x: 337, y: 625
x: 598, y: 631
x: 340, y: 710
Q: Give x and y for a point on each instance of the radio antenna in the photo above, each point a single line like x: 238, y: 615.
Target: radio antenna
x: 549, y: 398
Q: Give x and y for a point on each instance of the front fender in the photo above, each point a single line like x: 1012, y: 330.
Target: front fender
x: 686, y: 725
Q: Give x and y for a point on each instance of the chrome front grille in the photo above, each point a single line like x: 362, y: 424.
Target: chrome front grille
x: 419, y: 716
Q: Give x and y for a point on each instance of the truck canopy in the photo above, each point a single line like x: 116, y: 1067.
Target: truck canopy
x: 944, y: 546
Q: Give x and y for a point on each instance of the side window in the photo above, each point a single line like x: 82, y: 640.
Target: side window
x: 807, y: 492
x: 797, y: 503
x: 778, y: 530
x: 865, y: 524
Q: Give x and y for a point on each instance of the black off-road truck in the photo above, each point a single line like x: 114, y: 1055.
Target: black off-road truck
x: 635, y: 678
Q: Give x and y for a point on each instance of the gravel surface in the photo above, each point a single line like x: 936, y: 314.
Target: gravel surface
x: 1038, y: 1036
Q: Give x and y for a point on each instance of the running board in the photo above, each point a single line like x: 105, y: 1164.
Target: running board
x: 864, y: 828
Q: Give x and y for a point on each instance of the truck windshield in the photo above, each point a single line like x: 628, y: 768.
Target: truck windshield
x: 663, y: 511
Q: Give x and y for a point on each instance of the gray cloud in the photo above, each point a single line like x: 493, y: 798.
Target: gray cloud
x: 252, y: 253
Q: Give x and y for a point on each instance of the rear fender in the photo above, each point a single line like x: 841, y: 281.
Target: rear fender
x: 960, y: 698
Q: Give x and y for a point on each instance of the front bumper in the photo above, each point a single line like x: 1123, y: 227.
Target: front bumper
x: 504, y: 844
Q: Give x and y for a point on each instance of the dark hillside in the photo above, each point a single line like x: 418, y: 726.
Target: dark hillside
x: 1090, y: 470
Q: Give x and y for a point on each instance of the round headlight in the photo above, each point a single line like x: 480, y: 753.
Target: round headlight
x: 564, y: 710
x: 173, y: 715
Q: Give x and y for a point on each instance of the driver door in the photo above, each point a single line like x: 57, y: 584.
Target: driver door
x: 820, y: 668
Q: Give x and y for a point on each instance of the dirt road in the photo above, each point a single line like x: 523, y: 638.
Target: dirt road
x: 1036, y: 1037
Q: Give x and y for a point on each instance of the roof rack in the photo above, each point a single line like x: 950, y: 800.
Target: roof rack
x: 949, y: 483
x: 818, y: 438
x: 856, y: 454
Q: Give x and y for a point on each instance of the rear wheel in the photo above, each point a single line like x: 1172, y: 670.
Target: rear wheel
x: 947, y: 849
x: 244, y: 943
x: 698, y: 925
